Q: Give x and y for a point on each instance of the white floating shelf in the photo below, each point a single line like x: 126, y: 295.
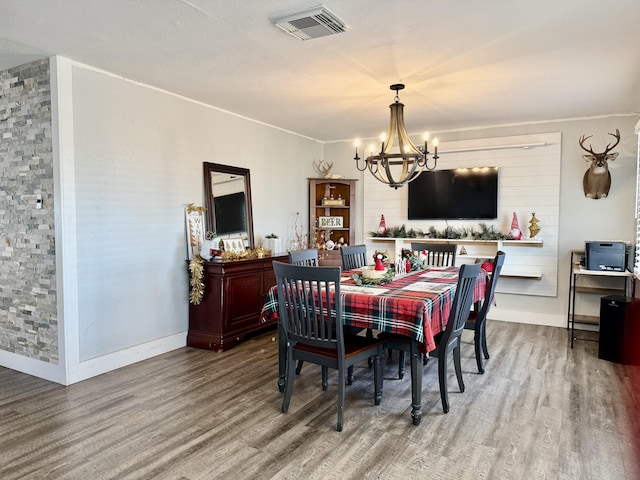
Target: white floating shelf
x: 461, y: 241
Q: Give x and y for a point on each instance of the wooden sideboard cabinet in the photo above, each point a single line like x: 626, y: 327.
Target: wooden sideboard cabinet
x: 234, y: 294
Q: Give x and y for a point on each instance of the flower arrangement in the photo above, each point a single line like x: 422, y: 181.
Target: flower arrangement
x: 415, y: 261
x: 299, y: 239
x: 362, y: 280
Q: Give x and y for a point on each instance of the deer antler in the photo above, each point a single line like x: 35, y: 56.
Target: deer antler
x: 322, y: 166
x: 617, y: 137
x: 607, y: 149
x: 584, y: 139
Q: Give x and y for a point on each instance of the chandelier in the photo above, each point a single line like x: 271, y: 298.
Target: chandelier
x: 400, y: 165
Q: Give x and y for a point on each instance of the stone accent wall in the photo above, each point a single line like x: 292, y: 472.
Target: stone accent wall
x: 28, y: 314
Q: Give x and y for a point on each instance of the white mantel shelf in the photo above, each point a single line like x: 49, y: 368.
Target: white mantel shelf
x: 516, y: 272
x: 459, y: 241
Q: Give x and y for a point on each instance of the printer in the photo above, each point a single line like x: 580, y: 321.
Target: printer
x: 606, y: 256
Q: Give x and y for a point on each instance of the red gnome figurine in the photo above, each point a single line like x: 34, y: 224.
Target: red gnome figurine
x: 515, y: 232
x: 382, y: 228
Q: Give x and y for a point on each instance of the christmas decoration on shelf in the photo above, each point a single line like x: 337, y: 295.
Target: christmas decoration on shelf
x: 515, y: 232
x: 487, y: 232
x: 382, y: 228
x: 534, y: 228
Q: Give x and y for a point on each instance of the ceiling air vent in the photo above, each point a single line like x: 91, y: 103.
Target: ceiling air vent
x: 313, y: 23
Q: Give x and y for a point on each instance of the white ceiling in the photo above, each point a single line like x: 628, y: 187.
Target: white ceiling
x: 465, y: 63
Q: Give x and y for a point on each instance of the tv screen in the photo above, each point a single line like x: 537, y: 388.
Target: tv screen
x: 462, y: 193
x: 230, y: 213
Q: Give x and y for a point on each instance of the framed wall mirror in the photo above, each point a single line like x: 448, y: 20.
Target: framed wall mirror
x: 227, y: 193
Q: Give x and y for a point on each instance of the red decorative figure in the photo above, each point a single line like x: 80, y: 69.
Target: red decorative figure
x: 515, y: 232
x: 408, y: 265
x: 379, y: 265
x: 382, y: 228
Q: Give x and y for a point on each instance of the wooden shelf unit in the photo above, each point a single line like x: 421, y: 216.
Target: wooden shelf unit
x: 332, y: 191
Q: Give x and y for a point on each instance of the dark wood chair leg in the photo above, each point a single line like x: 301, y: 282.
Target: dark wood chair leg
x: 341, y: 389
x: 478, y: 349
x: 442, y: 378
x: 377, y: 378
x: 299, y: 367
x: 325, y: 379
x: 288, y: 388
x: 350, y: 375
x: 484, y: 341
x: 458, y: 366
x: 400, y: 364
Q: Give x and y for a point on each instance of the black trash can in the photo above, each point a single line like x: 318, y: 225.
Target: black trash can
x: 619, y: 338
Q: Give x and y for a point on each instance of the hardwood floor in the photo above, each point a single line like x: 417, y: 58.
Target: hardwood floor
x: 541, y: 411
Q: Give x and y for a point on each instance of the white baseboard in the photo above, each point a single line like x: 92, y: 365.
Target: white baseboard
x: 31, y: 366
x: 95, y: 366
x: 533, y: 318
x: 112, y: 361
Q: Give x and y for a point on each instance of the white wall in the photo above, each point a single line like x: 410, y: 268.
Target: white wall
x: 580, y: 219
x: 128, y: 158
x: 133, y: 163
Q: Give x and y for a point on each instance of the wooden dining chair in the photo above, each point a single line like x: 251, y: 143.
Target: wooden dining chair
x: 477, y: 320
x: 354, y: 257
x: 310, y: 309
x: 438, y: 254
x: 308, y: 257
x: 449, y: 340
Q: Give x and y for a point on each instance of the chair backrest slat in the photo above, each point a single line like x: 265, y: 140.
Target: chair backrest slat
x: 438, y: 254
x: 498, y: 262
x: 309, y: 305
x: 354, y: 257
x: 462, y: 300
x: 308, y: 257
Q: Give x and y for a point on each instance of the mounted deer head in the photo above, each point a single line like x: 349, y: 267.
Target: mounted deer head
x: 597, y: 179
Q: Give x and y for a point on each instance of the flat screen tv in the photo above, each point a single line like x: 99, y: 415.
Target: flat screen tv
x: 462, y: 193
x: 230, y: 213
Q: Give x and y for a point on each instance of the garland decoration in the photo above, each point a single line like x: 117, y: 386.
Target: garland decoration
x: 196, y: 269
x: 487, y: 232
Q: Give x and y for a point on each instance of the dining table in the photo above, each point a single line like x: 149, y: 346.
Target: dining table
x: 415, y: 305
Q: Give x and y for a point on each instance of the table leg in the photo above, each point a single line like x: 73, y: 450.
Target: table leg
x: 282, y: 359
x: 416, y: 383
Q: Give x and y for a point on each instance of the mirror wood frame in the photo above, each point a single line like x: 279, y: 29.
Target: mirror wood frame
x: 208, y: 169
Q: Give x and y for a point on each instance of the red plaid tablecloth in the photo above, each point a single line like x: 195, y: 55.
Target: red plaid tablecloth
x: 416, y: 305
